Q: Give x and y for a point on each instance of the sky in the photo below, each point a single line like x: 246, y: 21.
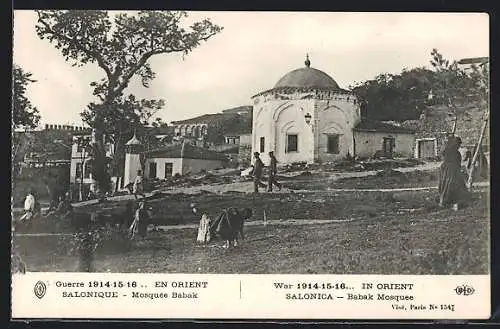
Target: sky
x: 251, y: 54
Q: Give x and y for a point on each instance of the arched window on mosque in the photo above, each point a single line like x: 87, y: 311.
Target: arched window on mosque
x: 204, y: 130
x: 186, y: 131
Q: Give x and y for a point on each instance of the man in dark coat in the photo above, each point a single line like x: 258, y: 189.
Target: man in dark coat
x: 452, y: 189
x: 229, y: 225
x: 257, y: 173
x: 273, y: 170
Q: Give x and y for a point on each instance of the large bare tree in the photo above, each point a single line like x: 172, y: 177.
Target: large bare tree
x: 120, y: 45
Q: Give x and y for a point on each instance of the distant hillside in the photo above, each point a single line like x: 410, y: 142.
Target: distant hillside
x: 245, y: 109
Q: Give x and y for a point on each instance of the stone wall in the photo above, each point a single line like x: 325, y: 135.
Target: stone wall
x: 245, y: 150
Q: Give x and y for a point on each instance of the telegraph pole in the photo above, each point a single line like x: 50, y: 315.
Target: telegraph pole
x: 476, y: 151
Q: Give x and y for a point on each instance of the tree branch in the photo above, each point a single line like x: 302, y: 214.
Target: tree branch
x: 92, y: 54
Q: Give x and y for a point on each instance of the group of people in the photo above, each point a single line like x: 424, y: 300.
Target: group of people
x: 258, y: 170
x: 228, y: 225
x: 452, y: 180
x: 61, y: 208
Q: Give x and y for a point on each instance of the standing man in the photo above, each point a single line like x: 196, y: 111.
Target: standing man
x: 257, y: 173
x: 272, y: 173
x: 138, y: 185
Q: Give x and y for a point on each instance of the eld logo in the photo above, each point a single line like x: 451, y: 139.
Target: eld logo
x: 464, y: 290
x: 40, y: 289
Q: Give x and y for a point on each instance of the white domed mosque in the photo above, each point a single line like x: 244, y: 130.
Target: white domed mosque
x: 307, y: 117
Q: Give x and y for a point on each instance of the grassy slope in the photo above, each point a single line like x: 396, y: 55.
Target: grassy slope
x: 384, y: 238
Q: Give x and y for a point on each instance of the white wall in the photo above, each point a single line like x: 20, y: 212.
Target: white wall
x: 246, y: 139
x: 72, y: 172
x: 160, y: 166
x: 337, y: 116
x: 132, y: 164
x: 367, y: 143
x: 275, y: 116
x: 194, y: 166
x: 274, y: 120
x: 181, y: 166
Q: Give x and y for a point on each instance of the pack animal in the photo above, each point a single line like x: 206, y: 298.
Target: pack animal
x: 229, y: 225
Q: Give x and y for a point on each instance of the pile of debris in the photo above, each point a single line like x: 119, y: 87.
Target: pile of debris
x: 194, y: 180
x: 356, y: 165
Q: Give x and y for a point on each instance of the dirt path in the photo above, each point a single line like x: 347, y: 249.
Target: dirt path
x: 247, y: 187
x: 286, y: 222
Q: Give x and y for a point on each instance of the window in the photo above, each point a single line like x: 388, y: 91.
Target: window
x: 169, y: 168
x: 152, y: 170
x: 88, y: 170
x: 333, y: 144
x: 388, y: 145
x: 78, y: 170
x: 262, y: 144
x: 292, y: 143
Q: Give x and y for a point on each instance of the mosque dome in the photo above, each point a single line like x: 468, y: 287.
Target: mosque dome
x: 307, y: 77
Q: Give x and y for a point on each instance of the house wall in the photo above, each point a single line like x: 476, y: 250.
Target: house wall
x: 436, y: 123
x: 160, y: 166
x: 181, y: 166
x: 194, y: 166
x: 245, y: 149
x: 275, y: 116
x: 132, y: 164
x: 435, y: 142
x: 367, y: 143
x: 338, y: 116
x: 274, y: 120
x: 78, y: 155
x: 72, y: 172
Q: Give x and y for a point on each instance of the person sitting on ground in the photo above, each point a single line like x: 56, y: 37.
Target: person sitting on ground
x: 64, y: 209
x: 32, y: 208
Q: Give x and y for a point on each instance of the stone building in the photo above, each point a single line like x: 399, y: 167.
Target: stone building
x: 436, y: 122
x: 181, y: 159
x: 307, y: 117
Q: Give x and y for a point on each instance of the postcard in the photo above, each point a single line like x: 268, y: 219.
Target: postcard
x: 250, y: 165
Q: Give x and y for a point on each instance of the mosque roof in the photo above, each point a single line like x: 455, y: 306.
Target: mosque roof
x: 306, y: 78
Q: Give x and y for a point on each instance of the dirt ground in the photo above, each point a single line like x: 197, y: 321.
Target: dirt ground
x: 377, y: 233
